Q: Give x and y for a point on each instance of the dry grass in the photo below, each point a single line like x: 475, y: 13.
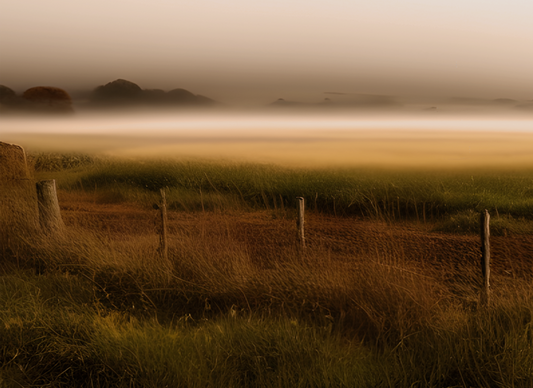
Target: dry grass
x: 237, y: 303
x: 214, y: 267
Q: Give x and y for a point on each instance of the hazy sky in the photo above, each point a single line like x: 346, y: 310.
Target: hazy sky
x: 258, y: 50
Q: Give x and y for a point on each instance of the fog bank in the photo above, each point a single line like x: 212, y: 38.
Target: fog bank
x: 393, y: 141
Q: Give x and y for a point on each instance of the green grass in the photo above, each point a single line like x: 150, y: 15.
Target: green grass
x: 54, y: 332
x: 468, y: 222
x: 49, y: 161
x: 72, y: 344
x: 384, y: 194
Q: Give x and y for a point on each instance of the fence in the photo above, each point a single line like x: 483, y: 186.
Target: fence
x: 15, y: 180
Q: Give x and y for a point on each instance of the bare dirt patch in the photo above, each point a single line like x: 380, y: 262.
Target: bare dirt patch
x: 265, y: 235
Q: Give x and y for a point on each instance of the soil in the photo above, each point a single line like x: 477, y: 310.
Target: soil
x: 264, y: 234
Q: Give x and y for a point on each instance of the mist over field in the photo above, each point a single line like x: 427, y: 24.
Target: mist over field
x: 403, y: 83
x: 390, y: 139
x: 337, y: 129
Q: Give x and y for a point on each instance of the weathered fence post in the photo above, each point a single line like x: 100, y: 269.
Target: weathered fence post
x: 163, y: 243
x: 49, y: 213
x: 485, y: 257
x: 300, y: 221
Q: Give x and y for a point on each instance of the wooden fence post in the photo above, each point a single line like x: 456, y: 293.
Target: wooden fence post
x: 300, y: 221
x: 163, y: 243
x: 49, y: 213
x: 485, y: 257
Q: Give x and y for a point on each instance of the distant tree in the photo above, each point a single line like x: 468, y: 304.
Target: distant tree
x: 504, y: 101
x: 205, y: 101
x: 182, y: 96
x: 48, y: 99
x: 6, y: 94
x: 122, y: 93
x: 154, y: 96
x: 119, y: 91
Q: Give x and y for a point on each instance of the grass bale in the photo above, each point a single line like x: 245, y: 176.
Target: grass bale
x: 13, y: 166
x: 18, y: 204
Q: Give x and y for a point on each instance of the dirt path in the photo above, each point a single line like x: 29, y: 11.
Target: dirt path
x: 264, y: 234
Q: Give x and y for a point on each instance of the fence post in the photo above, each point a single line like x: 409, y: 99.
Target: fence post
x: 300, y: 221
x: 49, y: 213
x: 163, y: 244
x: 485, y: 257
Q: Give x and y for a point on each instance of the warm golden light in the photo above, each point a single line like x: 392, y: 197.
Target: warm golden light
x: 310, y: 140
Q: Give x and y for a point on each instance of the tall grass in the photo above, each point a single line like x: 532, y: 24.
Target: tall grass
x: 66, y: 345
x: 385, y: 194
x: 96, y: 309
x: 105, y: 312
x: 208, y: 275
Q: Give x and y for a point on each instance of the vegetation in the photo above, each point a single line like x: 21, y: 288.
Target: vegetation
x: 450, y: 197
x: 97, y: 308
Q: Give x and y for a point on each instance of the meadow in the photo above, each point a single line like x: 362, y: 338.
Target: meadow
x: 385, y: 295
x: 448, y: 197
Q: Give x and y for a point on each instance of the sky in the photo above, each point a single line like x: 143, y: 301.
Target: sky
x: 251, y: 51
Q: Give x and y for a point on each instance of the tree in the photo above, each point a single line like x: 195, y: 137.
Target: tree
x: 48, y: 99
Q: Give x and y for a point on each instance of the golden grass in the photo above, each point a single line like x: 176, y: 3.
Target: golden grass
x: 389, y: 148
x: 239, y: 302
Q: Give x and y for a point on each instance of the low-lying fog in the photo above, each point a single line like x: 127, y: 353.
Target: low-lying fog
x: 449, y: 137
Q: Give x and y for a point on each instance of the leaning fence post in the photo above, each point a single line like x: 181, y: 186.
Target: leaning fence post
x: 49, y: 213
x: 485, y: 257
x: 300, y: 221
x: 163, y: 244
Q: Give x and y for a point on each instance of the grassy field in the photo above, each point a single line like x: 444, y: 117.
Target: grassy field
x: 447, y: 197
x: 385, y: 295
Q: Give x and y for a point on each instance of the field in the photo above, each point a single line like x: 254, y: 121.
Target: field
x: 385, y: 294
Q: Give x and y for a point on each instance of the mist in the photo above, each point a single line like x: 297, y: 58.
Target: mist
x: 397, y: 83
x: 249, y: 54
x: 121, y: 119
x: 290, y: 138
